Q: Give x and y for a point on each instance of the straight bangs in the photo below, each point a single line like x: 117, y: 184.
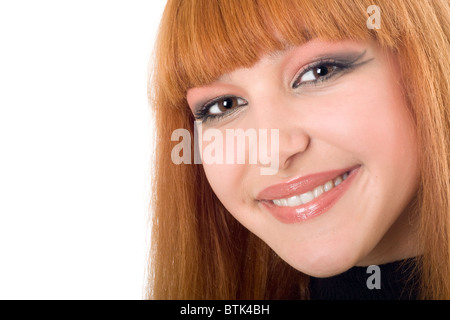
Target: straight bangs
x: 212, y: 38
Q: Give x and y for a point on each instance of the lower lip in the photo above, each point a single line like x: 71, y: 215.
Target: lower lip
x: 311, y: 209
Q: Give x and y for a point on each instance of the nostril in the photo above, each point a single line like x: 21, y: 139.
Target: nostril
x: 292, y: 145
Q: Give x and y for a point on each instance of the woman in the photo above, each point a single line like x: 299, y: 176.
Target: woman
x: 357, y: 96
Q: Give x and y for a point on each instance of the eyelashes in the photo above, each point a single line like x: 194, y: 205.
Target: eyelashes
x: 320, y: 72
x: 311, y: 75
x: 219, y: 107
x: 326, y: 68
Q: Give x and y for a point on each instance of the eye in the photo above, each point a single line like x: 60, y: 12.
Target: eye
x: 220, y: 107
x: 317, y: 73
x: 225, y: 104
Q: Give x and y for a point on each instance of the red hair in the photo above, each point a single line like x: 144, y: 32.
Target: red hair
x: 198, y: 250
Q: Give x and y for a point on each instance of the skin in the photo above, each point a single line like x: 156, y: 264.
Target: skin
x: 358, y: 117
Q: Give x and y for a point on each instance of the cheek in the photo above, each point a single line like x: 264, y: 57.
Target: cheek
x: 233, y: 183
x: 223, y: 179
x: 230, y: 159
x: 387, y: 132
x: 230, y: 185
x: 226, y: 178
x: 369, y: 119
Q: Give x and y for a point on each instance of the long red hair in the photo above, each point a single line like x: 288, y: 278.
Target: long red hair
x: 198, y: 250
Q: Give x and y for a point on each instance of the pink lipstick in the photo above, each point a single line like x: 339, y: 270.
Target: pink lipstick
x: 306, y: 197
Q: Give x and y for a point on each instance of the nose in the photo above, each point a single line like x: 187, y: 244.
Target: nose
x: 293, y: 142
x: 293, y: 137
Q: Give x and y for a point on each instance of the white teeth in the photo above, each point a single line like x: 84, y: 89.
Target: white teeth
x: 277, y: 202
x: 294, y: 201
x: 304, y: 198
x: 318, y: 191
x: 307, y: 197
x: 328, y: 186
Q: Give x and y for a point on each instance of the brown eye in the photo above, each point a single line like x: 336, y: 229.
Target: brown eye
x: 225, y: 104
x: 322, y: 71
x: 315, y: 74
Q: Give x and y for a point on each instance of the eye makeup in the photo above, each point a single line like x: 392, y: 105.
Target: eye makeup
x: 220, y: 107
x: 327, y: 67
x: 320, y: 70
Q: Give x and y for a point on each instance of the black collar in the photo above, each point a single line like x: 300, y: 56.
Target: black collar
x: 395, y: 282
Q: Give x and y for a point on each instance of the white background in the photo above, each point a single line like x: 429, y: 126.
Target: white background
x: 74, y: 147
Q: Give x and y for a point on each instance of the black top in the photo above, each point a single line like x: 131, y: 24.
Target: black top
x: 390, y: 282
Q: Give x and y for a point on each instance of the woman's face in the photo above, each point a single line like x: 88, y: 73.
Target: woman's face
x: 346, y: 152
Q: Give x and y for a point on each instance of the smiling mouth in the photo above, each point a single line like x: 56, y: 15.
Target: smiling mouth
x: 309, y: 196
x: 306, y: 197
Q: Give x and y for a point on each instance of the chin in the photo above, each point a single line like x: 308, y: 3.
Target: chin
x: 322, y: 263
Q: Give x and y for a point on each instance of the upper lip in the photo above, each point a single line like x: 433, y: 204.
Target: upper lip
x: 299, y: 185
